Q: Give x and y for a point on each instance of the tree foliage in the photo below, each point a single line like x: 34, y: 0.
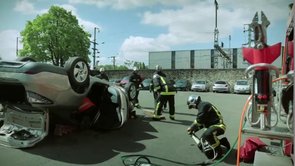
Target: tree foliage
x: 111, y: 67
x: 139, y: 65
x: 54, y: 37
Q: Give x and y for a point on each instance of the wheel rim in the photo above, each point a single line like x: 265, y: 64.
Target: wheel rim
x: 80, y: 72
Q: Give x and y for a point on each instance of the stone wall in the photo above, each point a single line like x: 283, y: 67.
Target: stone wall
x: 230, y: 75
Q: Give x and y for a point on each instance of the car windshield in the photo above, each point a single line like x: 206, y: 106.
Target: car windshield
x: 200, y: 82
x: 220, y: 82
x: 242, y: 82
x: 180, y: 82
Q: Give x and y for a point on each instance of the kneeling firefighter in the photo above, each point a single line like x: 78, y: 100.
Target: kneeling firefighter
x: 210, y: 118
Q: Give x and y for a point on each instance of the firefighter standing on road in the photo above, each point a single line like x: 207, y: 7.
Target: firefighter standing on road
x: 155, y: 93
x: 166, y: 91
x: 137, y: 80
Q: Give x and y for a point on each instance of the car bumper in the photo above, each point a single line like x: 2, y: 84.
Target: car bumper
x: 198, y: 89
x: 221, y: 90
x: 241, y: 91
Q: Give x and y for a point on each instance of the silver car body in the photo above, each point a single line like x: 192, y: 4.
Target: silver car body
x: 200, y: 85
x: 29, y: 91
x: 242, y: 86
x: 221, y: 86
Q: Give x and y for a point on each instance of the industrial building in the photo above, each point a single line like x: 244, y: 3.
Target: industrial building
x: 201, y: 59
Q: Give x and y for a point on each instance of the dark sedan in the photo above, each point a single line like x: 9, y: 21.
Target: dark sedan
x: 182, y: 85
x: 146, y: 84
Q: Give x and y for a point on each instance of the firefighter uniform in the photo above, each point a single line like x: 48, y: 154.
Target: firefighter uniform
x: 210, y: 118
x: 166, y: 91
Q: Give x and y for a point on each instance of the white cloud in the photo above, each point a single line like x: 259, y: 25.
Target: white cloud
x: 131, y: 4
x: 185, y: 21
x: 195, y: 23
x: 26, y: 7
x: 8, y: 40
x: 136, y: 48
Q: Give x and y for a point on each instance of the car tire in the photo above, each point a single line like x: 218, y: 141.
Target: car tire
x: 26, y: 59
x: 131, y: 90
x: 78, y: 72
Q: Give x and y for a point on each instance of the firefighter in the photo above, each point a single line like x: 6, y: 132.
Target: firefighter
x: 137, y: 80
x: 210, y: 118
x: 166, y: 92
x: 155, y: 93
x: 102, y: 74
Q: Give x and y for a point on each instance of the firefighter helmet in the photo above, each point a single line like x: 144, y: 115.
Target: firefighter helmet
x: 193, y: 101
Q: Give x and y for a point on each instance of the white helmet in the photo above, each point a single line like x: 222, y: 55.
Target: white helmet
x: 158, y: 67
x: 101, y: 69
x: 193, y: 101
x: 135, y: 69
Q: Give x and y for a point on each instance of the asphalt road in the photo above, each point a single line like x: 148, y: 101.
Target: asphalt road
x: 163, y: 142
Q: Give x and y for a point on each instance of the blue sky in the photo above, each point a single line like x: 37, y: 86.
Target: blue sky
x: 130, y: 29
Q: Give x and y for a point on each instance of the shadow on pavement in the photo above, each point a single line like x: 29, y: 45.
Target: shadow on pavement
x: 93, y: 147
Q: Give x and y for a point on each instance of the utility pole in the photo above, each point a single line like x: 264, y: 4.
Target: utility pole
x: 250, y: 31
x: 114, y: 61
x: 216, y: 32
x: 17, y: 46
x: 94, y: 47
x: 229, y: 45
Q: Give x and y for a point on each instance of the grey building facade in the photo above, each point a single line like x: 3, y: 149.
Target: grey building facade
x: 200, y: 59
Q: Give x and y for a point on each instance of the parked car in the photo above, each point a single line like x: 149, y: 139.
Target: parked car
x: 45, y: 90
x: 182, y: 85
x: 146, y: 84
x: 242, y: 86
x: 200, y: 85
x: 221, y: 86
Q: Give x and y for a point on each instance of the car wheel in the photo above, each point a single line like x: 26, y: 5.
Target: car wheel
x: 78, y: 72
x: 26, y: 59
x: 131, y: 90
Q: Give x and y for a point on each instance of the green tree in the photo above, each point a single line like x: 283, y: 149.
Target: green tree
x: 111, y: 67
x: 54, y: 37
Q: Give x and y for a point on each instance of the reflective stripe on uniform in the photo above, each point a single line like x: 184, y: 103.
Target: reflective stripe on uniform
x: 168, y: 93
x: 164, y: 84
x: 220, y: 126
x: 217, y: 142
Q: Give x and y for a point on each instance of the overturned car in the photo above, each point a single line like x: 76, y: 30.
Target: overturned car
x: 31, y: 92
